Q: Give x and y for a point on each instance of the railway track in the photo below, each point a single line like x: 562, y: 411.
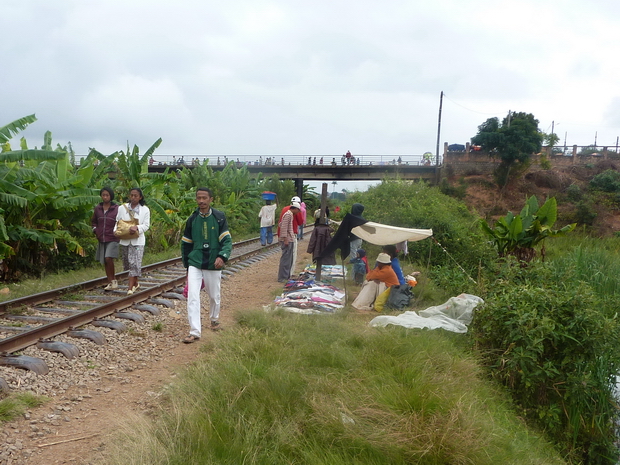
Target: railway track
x: 38, y: 320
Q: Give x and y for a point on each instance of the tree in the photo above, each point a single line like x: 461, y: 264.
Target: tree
x: 514, y: 141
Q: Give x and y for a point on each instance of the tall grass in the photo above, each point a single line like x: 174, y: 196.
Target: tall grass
x: 594, y: 261
x: 283, y: 389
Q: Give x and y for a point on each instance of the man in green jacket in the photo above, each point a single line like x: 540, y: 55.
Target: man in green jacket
x: 205, y: 248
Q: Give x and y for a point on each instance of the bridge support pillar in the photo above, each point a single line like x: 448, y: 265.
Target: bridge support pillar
x: 299, y: 187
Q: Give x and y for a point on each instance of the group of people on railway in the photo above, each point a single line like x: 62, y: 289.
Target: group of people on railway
x: 205, y: 248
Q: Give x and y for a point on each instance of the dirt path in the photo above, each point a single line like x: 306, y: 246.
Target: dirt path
x: 76, y: 427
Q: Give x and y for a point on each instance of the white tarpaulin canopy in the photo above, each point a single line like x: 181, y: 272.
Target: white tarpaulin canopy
x: 382, y: 234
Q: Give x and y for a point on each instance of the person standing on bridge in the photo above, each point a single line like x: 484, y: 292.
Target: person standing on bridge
x: 205, y: 248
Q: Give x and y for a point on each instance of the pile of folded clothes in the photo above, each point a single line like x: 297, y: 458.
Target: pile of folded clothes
x: 328, y: 272
x: 304, y: 295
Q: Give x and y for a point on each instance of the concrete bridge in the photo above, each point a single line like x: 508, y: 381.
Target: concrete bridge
x: 299, y: 173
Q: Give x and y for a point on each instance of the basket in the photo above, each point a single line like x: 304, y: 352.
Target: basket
x: 268, y: 195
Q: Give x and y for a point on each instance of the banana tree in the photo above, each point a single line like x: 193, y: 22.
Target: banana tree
x: 518, y: 235
x: 47, y: 204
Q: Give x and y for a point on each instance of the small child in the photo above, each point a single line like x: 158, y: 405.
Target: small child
x: 360, y: 266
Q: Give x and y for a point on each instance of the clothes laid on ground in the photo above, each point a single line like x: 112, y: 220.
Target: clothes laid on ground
x: 304, y: 295
x: 454, y: 315
x: 328, y: 272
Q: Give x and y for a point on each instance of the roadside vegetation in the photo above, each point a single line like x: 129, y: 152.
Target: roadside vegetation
x: 534, y: 381
x: 47, y: 200
x: 15, y: 405
x: 282, y: 388
x: 539, y: 363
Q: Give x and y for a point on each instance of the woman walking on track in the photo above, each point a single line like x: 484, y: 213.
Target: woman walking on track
x: 133, y: 249
x: 103, y: 223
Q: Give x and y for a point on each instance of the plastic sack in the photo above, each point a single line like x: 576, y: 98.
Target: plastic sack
x: 400, y: 297
x: 381, y: 300
x: 454, y: 315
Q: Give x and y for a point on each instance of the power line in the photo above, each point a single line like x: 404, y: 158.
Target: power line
x: 473, y: 111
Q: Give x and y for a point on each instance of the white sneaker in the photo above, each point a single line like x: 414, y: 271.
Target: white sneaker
x: 113, y: 285
x: 130, y: 291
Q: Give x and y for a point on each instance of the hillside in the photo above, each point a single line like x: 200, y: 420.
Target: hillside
x: 579, y: 203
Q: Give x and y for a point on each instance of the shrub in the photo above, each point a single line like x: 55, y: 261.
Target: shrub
x: 458, y: 191
x: 574, y: 193
x: 608, y: 181
x: 420, y: 206
x: 545, y: 337
x: 584, y: 213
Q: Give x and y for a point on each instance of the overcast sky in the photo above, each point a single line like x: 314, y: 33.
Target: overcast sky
x: 289, y: 77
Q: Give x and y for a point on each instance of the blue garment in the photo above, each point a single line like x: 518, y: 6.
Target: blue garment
x: 358, y: 266
x: 398, y: 271
x: 266, y: 235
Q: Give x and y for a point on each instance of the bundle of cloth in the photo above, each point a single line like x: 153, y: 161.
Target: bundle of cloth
x: 310, y: 297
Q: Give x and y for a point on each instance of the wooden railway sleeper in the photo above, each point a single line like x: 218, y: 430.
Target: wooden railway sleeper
x: 25, y: 362
x: 68, y: 350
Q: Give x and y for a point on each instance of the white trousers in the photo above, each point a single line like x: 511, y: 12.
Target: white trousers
x: 213, y: 280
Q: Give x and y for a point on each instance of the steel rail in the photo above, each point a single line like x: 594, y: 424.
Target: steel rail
x: 21, y: 341
x: 52, y: 294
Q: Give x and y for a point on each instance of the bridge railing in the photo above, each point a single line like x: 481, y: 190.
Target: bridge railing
x: 290, y: 160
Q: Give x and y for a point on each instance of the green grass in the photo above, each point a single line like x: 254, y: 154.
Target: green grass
x: 16, y: 404
x: 283, y: 389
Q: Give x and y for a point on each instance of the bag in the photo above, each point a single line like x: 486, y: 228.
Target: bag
x: 122, y: 226
x: 400, y: 297
x: 381, y: 300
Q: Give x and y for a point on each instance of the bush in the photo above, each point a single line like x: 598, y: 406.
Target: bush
x: 545, y: 337
x: 584, y: 214
x: 573, y: 193
x: 608, y: 181
x: 420, y: 206
x: 458, y: 191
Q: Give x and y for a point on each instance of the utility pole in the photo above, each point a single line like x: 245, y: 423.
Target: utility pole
x: 438, y: 130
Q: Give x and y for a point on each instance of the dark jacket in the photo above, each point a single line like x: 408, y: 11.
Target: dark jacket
x: 200, y: 251
x: 103, y: 223
x: 321, y: 235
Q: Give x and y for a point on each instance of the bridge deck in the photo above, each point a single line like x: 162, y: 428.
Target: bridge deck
x: 328, y: 172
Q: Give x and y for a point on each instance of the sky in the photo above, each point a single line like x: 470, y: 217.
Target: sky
x: 290, y: 78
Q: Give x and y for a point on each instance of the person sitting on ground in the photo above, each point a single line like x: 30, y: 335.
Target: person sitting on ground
x: 393, y: 253
x: 377, y: 281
